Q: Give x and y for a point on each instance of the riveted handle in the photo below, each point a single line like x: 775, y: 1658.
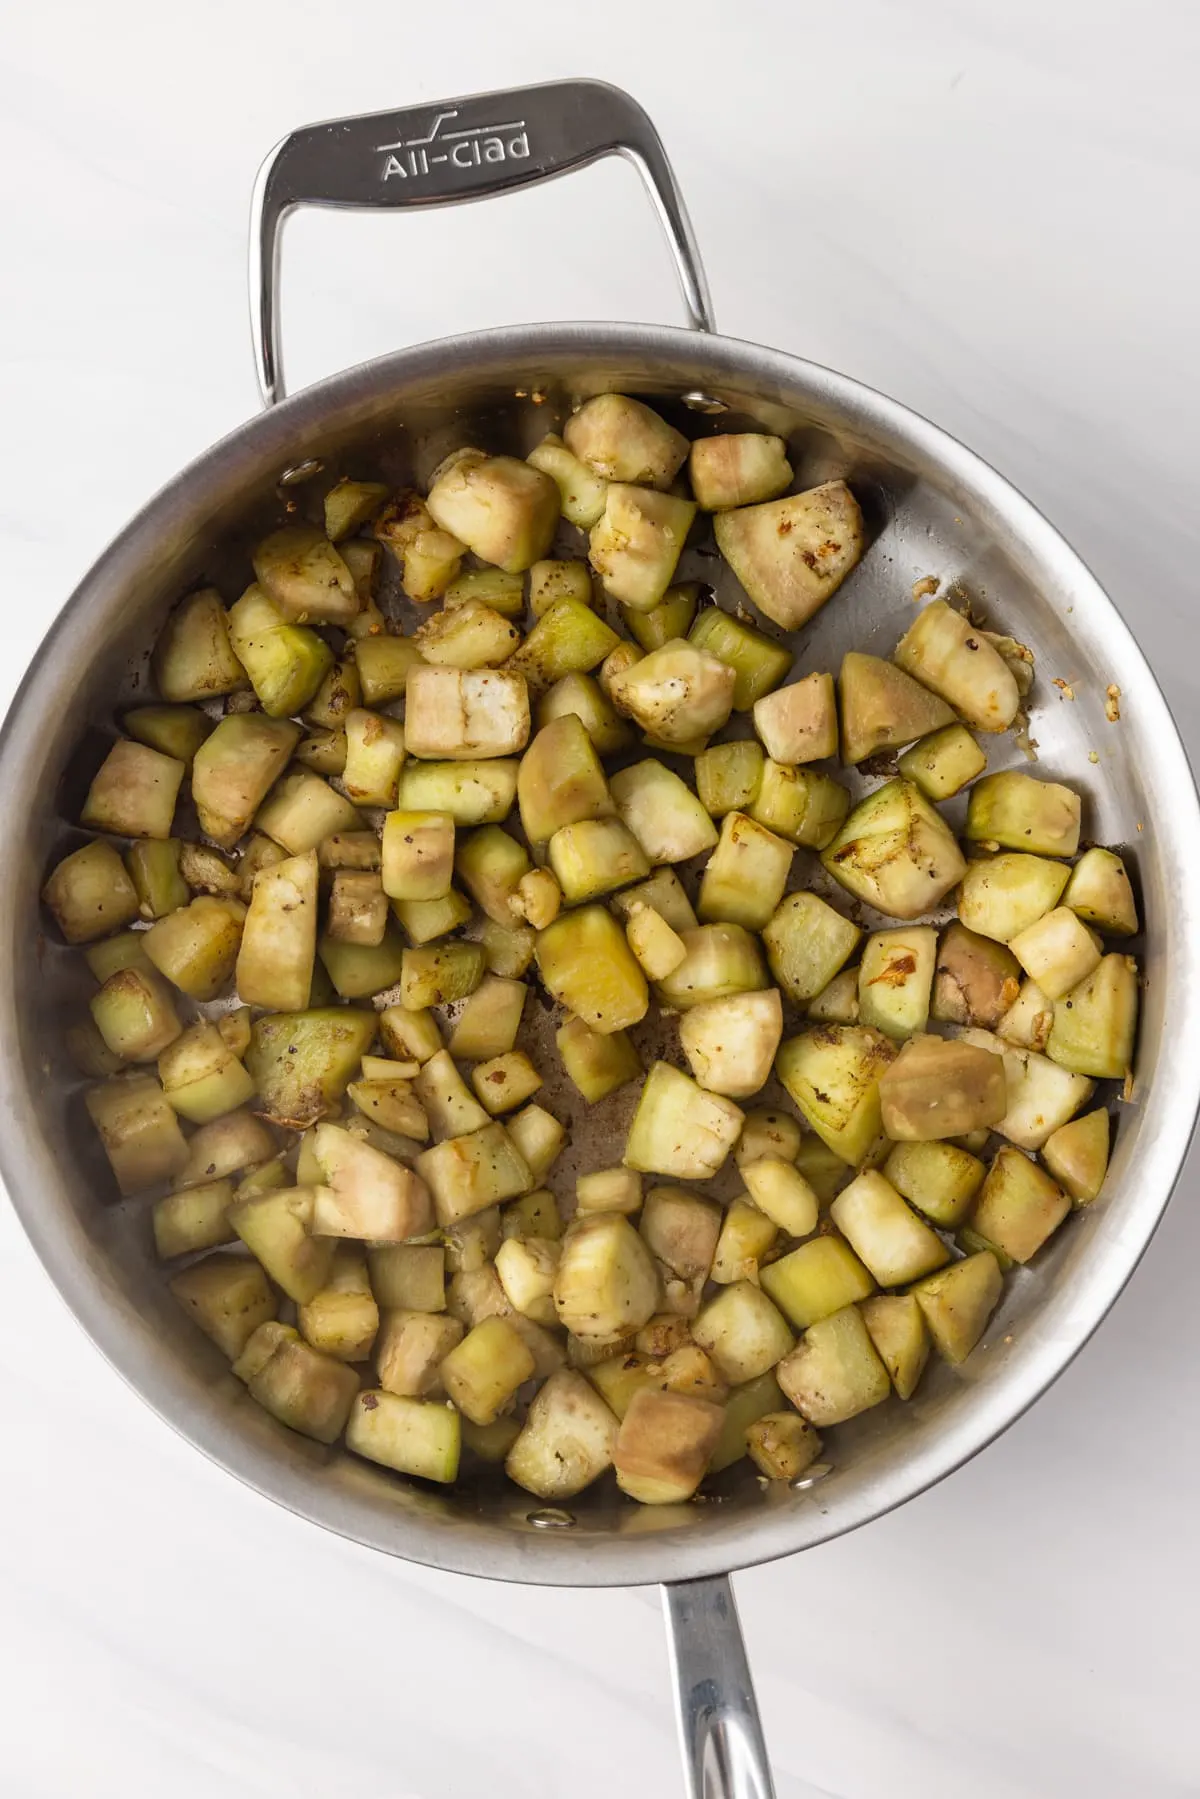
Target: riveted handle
x: 451, y: 151
x: 724, y: 1755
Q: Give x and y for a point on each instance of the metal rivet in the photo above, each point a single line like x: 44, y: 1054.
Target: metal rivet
x: 300, y: 471
x: 551, y: 1518
x: 810, y: 1478
x: 702, y: 402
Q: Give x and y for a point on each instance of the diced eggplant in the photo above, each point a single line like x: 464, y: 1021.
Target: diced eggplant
x: 410, y: 1035
x: 88, y: 1051
x: 790, y: 555
x: 503, y: 592
x: 197, y: 946
x: 225, y: 1145
x: 538, y: 1137
x: 658, y: 948
x: 491, y: 865
x: 309, y: 1392
x: 943, y: 651
x: 738, y: 468
x: 664, y: 1445
x: 807, y: 941
x: 834, y: 1373
x: 488, y: 1023
x: 302, y: 1062
x: 593, y: 857
x: 375, y: 755
x: 411, y: 1436
x: 569, y: 639
x: 153, y: 865
x: 410, y: 1349
x: 1019, y: 1206
x: 300, y: 570
x: 552, y: 580
x: 193, y: 658
x: 587, y: 965
x: 943, y: 763
x: 1095, y: 1024
x: 620, y: 439
x: 662, y: 893
x: 938, y: 1088
x: 679, y: 1129
x: 895, y: 979
x: 896, y: 1326
x: 490, y: 1443
x: 800, y: 804
x: 526, y: 1267
x: 533, y: 1215
x: 676, y: 693
x: 472, y: 1297
x: 277, y: 1229
x: 1028, y: 1022
x: 580, y: 490
x: 193, y: 1220
x: 681, y: 1229
x: 584, y: 696
x: 560, y: 781
x: 896, y: 852
x: 670, y: 619
x: 635, y: 545
x: 135, y: 1014
x: 233, y: 770
x: 435, y: 974
x: 728, y: 776
x: 608, y: 1190
x: 1058, y: 951
x: 758, y: 662
x: 730, y: 1044
x: 362, y: 556
x: 977, y: 980
x: 567, y: 1440
x: 721, y: 960
x: 384, y: 665
x: 465, y: 714
x: 342, y: 1319
x: 392, y: 1105
x: 176, y: 731
x: 1041, y: 1095
x: 817, y: 1279
x: 744, y: 1407
x: 503, y: 510
x: 451, y: 1107
x: 595, y: 1062
x: 349, y: 505
x: 538, y: 898
x: 606, y: 1283
x: 360, y: 970
x: 798, y: 723
x: 90, y: 893
x: 471, y: 793
x: 228, y: 1297
x: 134, y: 792
x: 418, y: 855
x: 505, y: 1082
x: 429, y: 554
x: 1077, y: 1155
x: 662, y: 812
x: 782, y: 1194
x: 837, y: 1002
x: 408, y: 1276
x: 507, y: 949
x: 746, y: 874
x: 888, y: 1238
x: 482, y: 1373
x: 782, y: 1445
x: 746, y: 1236
x: 743, y: 1332
x: 467, y: 1174
x: 1002, y: 895
x: 833, y: 1076
x: 205, y: 870
x: 882, y: 708
x: 288, y: 663
x: 1017, y: 812
x: 940, y: 1179
x: 1099, y: 891
x: 279, y: 938
x: 138, y: 1129
x: 201, y: 1076
x: 302, y: 810
x: 469, y: 635
x: 358, y: 908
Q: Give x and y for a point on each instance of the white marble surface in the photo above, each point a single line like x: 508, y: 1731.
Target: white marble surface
x: 988, y: 212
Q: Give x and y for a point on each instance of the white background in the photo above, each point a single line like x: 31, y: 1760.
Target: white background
x: 989, y: 212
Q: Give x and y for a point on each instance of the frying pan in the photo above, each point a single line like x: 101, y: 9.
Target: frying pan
x: 933, y: 509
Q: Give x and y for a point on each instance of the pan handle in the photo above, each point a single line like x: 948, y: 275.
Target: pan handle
x: 452, y: 150
x: 724, y: 1755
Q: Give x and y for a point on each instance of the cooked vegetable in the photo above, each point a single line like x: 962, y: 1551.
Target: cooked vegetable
x: 384, y: 665
x: 1077, y: 1155
x: 758, y: 662
x: 721, y: 959
x: 896, y: 852
x: 467, y: 1174
x: 977, y: 980
x: 781, y: 1193
x: 676, y: 693
x: 469, y: 635
x: 465, y: 714
x: 620, y: 439
x: 1057, y: 951
x: 176, y: 731
x: 583, y: 695
x: 233, y: 770
x: 594, y: 856
x: 302, y: 1062
x: 429, y: 556
x: 228, y: 1297
x: 279, y: 937
x: 668, y: 620
x: 608, y: 1190
x: 505, y: 1082
x: 738, y: 468
x: 798, y: 723
x: 596, y: 1063
x: 1019, y: 1206
x: 193, y: 658
x: 949, y: 656
x: 375, y: 755
x: 943, y: 763
x: 1099, y: 891
x: 730, y: 1043
x: 807, y: 941
x: 1095, y: 1023
x: 678, y: 1129
x: 746, y: 1236
x: 800, y: 804
x: 90, y: 893
x: 153, y: 865
x: 197, y: 946
x: 938, y: 1088
x: 138, y: 1129
x: 359, y: 970
x: 538, y: 1138
x: 940, y: 1179
x: 662, y: 812
x: 782, y: 1445
x: 301, y: 571
x: 664, y: 1445
x: 342, y: 1319
x: 471, y: 793
x: 277, y: 1229
x: 1041, y: 1095
x: 437, y: 973
x: 728, y: 776
x: 791, y: 554
x: 746, y: 874
x: 134, y: 791
x: 409, y: 1435
x: 410, y: 1349
x: 502, y: 509
x: 581, y: 491
x: 567, y: 1440
x: 834, y: 1372
x: 568, y: 639
x: 1003, y: 895
x: 635, y: 545
x: 358, y: 908
x: 1017, y: 812
x: 587, y: 965
x: 896, y: 1327
x: 883, y: 708
x: 288, y: 664
x: 887, y: 1237
x: 201, y: 1076
x: 833, y: 1075
x: 1028, y: 1021
x: 895, y: 980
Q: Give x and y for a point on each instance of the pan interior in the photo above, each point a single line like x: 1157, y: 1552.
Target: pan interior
x: 933, y: 511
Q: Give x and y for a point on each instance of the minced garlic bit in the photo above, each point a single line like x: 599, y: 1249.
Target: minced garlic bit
x: 1064, y: 687
x: 926, y: 585
x: 1093, y: 755
x: 1112, y: 703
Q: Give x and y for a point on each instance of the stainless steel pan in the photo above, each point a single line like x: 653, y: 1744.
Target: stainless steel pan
x: 934, y: 508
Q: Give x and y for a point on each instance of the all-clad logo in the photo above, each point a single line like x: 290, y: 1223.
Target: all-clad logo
x: 464, y: 148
